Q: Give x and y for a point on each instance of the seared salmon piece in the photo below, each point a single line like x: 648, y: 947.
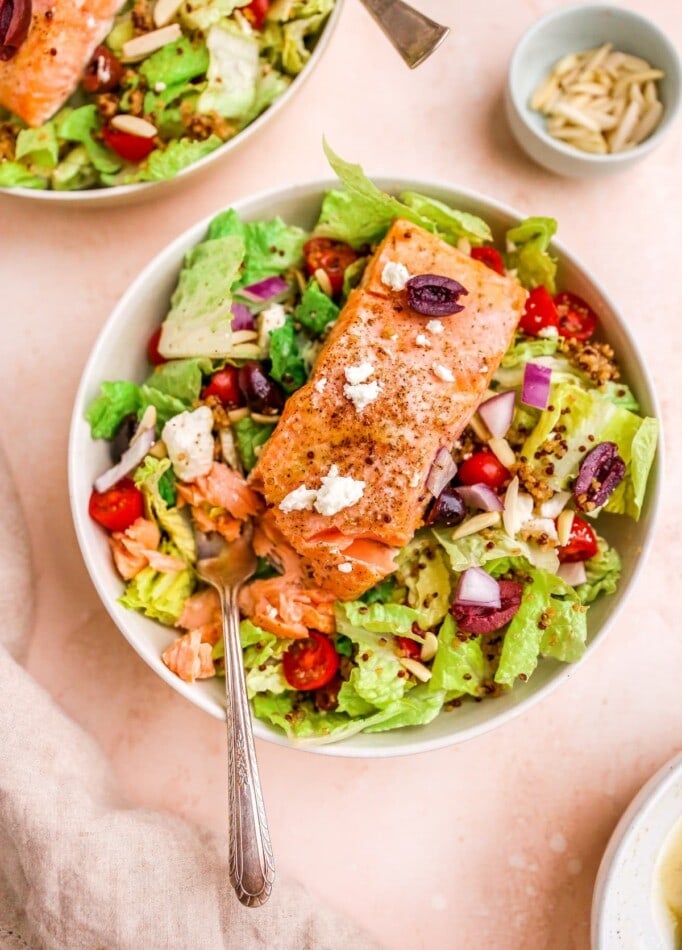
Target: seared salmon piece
x: 389, y: 389
x: 220, y: 500
x: 137, y: 547
x: 38, y: 80
x: 190, y: 658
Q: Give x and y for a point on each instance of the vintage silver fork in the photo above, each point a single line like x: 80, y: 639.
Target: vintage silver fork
x: 413, y: 34
x: 226, y: 566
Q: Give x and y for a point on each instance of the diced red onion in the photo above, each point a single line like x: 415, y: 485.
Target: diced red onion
x: 573, y: 572
x: 480, y: 496
x: 536, y: 383
x: 242, y: 318
x: 477, y: 588
x: 130, y: 459
x: 442, y: 471
x: 265, y: 289
x: 498, y: 412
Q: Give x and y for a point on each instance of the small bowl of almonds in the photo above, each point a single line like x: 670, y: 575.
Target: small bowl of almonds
x: 591, y: 89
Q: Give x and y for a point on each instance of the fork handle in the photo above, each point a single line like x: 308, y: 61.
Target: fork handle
x: 252, y: 866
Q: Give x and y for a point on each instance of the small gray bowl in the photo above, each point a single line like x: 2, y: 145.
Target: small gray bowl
x: 573, y: 29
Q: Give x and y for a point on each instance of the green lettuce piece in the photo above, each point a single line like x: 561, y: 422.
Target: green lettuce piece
x: 166, y: 406
x: 458, y: 666
x: 288, y: 367
x: 75, y: 171
x: 167, y: 162
x: 620, y: 395
x: 16, y: 175
x: 353, y: 275
x: 116, y: 401
x: 424, y: 571
x: 269, y: 86
x: 395, y: 619
x: 590, y: 414
x: 122, y: 31
x: 525, y: 639
x: 176, y: 63
x: 452, y: 224
x: 529, y: 255
x: 262, y: 659
x: 417, y: 707
x: 181, y: 378
x: 351, y: 703
x: 38, y: 146
x: 381, y: 592
x: 375, y: 675
x: 473, y: 550
x: 200, y: 318
x: 166, y: 107
x: 300, y: 720
x: 249, y: 435
x: 603, y: 573
x: 79, y: 125
x: 159, y: 596
x: 201, y: 15
x: 316, y: 310
x: 233, y: 72
x: 281, y: 11
x: 295, y: 51
x: 174, y: 521
x: 270, y: 247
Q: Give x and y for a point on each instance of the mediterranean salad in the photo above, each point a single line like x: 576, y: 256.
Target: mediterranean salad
x: 170, y: 83
x: 510, y: 554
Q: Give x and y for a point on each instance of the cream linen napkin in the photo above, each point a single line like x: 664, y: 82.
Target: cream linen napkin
x: 79, y: 868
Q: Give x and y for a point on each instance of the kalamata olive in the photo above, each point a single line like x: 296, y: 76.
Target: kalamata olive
x: 488, y: 619
x: 261, y: 393
x: 124, y: 434
x: 448, y: 509
x: 434, y: 296
x: 601, y: 471
x: 103, y: 73
x: 15, y: 22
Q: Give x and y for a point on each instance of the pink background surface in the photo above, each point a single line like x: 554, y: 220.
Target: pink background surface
x: 495, y: 843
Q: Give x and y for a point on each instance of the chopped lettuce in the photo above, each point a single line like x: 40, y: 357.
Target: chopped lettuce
x: 203, y: 14
x: 460, y: 666
x: 423, y: 570
x: 382, y: 592
x: 164, y: 163
x: 315, y: 310
x: 38, y: 146
x: 174, y: 521
x: 176, y: 63
x: 416, y: 707
x: 250, y: 435
x: 159, y: 596
x: 74, y: 171
x: 166, y: 405
x: 300, y: 720
x: 603, y: 573
x: 233, y: 72
x: 528, y: 253
x: 269, y: 86
x: 181, y: 378
x: 16, y: 175
x: 270, y: 247
x: 262, y: 659
x: 108, y: 410
x: 380, y: 618
x: 375, y: 675
x: 79, y: 125
x: 451, y: 224
x: 474, y: 551
x: 295, y: 52
x: 288, y: 367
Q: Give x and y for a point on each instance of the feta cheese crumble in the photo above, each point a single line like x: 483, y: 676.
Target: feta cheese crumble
x: 358, y: 374
x: 320, y: 384
x: 423, y: 340
x: 395, y: 275
x: 159, y: 86
x: 548, y: 333
x: 338, y: 492
x: 434, y: 326
x: 300, y: 499
x: 442, y: 372
x: 189, y: 442
x: 272, y: 318
x: 362, y: 394
x: 346, y: 567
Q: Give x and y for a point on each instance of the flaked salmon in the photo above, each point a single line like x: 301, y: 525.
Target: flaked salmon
x: 357, y: 459
x: 50, y: 63
x: 220, y: 500
x: 190, y: 657
x: 137, y: 547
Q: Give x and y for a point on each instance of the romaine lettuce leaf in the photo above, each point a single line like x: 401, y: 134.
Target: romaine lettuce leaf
x: 473, y: 550
x: 603, y: 573
x: 451, y: 224
x: 108, y: 410
x: 270, y: 247
x: 16, y: 175
x: 166, y: 405
x: 174, y: 521
x: 395, y: 619
x: 75, y: 171
x: 270, y: 85
x: 38, y: 146
x: 159, y: 596
x: 295, y: 51
x: 528, y: 254
x: 315, y: 310
x: 201, y: 15
x: 375, y: 676
x: 79, y: 125
x: 176, y: 63
x: 249, y: 435
x: 233, y: 72
x: 288, y: 367
x: 381, y: 592
x: 417, y: 707
x: 459, y: 666
x: 164, y: 163
x: 181, y: 378
x: 424, y: 571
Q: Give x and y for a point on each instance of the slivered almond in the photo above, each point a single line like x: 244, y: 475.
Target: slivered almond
x: 265, y: 420
x: 429, y: 647
x: 159, y: 450
x: 133, y: 125
x: 647, y: 123
x: 486, y: 519
x: 503, y: 451
x: 510, y: 515
x: 142, y: 46
x: 323, y: 280
x: 236, y: 415
x: 416, y: 668
x: 481, y: 430
x: 165, y: 10
x: 243, y: 336
x: 564, y: 523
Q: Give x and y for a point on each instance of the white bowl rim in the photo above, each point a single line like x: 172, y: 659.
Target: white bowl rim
x: 80, y: 519
x: 521, y: 109
x: 85, y: 196
x: 640, y: 808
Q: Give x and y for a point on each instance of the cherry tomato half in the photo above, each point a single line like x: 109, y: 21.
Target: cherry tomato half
x: 153, y: 354
x: 256, y: 12
x: 311, y: 662
x: 117, y: 508
x: 540, y: 312
x: 581, y: 545
x: 490, y: 257
x: 333, y: 257
x: 410, y: 647
x: 132, y: 148
x: 225, y: 385
x: 483, y: 467
x: 577, y: 320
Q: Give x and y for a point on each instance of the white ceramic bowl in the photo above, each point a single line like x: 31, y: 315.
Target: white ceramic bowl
x: 125, y: 194
x: 570, y: 30
x: 628, y: 911
x: 120, y: 354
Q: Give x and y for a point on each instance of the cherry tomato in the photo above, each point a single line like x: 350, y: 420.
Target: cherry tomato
x: 132, y: 148
x: 103, y: 73
x: 577, y: 320
x: 483, y: 467
x: 582, y: 543
x: 117, y: 508
x: 225, y: 385
x: 490, y: 257
x: 410, y: 647
x: 255, y: 12
x: 153, y: 354
x: 333, y: 257
x: 540, y: 312
x: 310, y: 663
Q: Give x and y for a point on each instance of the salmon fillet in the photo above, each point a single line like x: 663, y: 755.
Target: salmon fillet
x: 429, y: 385
x: 50, y: 63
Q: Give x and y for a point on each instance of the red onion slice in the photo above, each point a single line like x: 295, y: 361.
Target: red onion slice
x: 265, y: 289
x: 480, y: 496
x: 498, y: 412
x: 130, y: 459
x: 536, y: 384
x: 242, y: 318
x: 441, y: 473
x: 573, y: 572
x: 477, y: 588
